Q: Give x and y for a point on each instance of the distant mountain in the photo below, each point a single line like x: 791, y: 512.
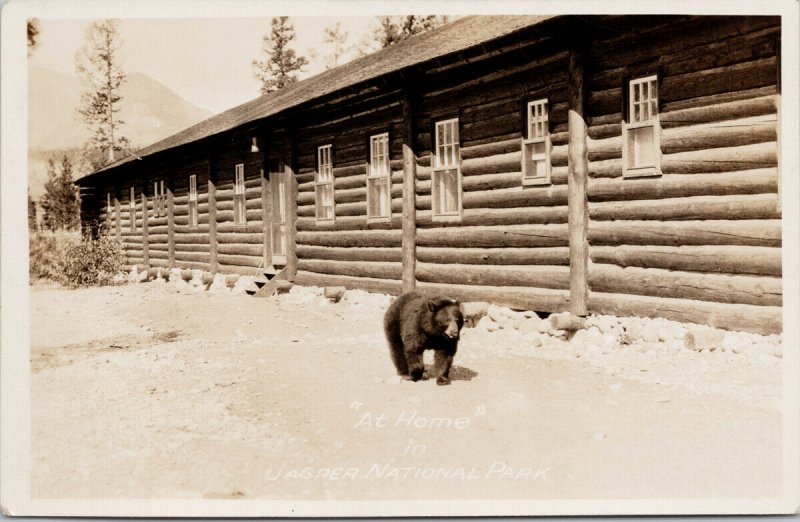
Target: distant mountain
x: 150, y: 110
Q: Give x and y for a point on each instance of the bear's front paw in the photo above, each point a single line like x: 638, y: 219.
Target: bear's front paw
x: 442, y: 381
x: 416, y: 375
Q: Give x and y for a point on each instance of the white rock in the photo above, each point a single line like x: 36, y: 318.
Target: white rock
x: 142, y: 277
x: 534, y: 324
x: 736, y: 343
x: 499, y: 314
x: 487, y: 324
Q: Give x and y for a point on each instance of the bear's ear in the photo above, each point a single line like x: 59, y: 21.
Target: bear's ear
x: 432, y: 306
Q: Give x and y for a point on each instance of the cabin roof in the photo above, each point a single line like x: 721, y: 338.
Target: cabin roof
x: 453, y: 37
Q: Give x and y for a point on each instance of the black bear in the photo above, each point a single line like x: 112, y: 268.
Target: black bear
x: 415, y: 323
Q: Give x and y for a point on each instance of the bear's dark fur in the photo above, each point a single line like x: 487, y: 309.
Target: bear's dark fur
x: 415, y: 323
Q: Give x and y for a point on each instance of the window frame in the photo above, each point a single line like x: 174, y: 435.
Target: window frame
x: 528, y: 141
x: 192, y: 202
x: 239, y: 198
x: 109, y: 207
x: 438, y: 167
x: 372, y: 177
x: 159, y: 198
x: 324, y: 184
x: 132, y: 210
x: 629, y: 125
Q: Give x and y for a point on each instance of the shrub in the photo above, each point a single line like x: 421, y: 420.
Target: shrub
x: 74, y: 260
x: 92, y: 261
x: 47, y: 251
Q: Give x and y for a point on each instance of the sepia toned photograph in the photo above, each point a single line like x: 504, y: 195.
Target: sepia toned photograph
x: 343, y: 260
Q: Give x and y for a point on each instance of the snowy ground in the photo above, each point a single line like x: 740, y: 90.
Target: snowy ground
x: 169, y: 390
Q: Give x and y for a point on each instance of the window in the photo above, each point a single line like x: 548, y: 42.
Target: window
x: 109, y: 209
x: 641, y: 134
x: 379, y: 179
x: 239, y: 207
x: 446, y: 178
x: 323, y: 185
x: 132, y: 210
x: 193, y: 200
x: 159, y: 198
x: 536, y: 145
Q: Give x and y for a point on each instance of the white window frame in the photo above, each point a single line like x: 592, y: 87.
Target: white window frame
x: 323, y: 181
x: 379, y: 168
x: 537, y: 130
x: 109, y: 209
x: 239, y: 199
x: 159, y: 208
x: 634, y: 122
x: 193, y: 219
x: 132, y: 208
x: 446, y: 157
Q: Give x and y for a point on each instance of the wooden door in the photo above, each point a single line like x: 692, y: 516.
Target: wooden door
x: 279, y: 189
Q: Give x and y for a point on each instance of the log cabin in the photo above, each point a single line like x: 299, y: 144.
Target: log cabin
x: 622, y: 165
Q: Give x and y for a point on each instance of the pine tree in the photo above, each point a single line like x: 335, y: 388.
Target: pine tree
x: 280, y: 64
x: 393, y: 29
x: 60, y: 203
x: 337, y: 39
x: 31, y: 212
x: 98, y: 65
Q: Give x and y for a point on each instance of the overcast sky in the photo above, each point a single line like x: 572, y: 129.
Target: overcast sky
x: 207, y: 61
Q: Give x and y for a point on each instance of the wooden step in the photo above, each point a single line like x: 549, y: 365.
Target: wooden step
x: 276, y: 282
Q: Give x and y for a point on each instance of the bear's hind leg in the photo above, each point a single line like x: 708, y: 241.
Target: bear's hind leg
x: 413, y: 354
x: 398, y: 355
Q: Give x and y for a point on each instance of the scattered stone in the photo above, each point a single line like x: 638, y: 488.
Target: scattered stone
x: 736, y: 343
x: 187, y: 275
x: 534, y: 325
x: 141, y: 277
x: 774, y: 350
x: 704, y: 339
x: 334, y: 293
x: 473, y: 312
x: 499, y: 314
x: 486, y: 323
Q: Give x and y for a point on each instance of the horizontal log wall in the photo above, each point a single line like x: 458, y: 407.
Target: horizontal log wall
x: 704, y: 238
x: 351, y: 250
x: 511, y: 243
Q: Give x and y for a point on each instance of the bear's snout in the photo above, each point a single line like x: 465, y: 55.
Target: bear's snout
x: 452, y: 331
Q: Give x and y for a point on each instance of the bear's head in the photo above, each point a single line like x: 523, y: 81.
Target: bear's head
x: 446, y: 316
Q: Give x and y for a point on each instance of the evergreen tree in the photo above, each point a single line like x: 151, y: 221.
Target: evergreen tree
x: 337, y: 39
x: 60, y: 202
x: 280, y: 65
x: 97, y: 64
x: 393, y: 29
x: 31, y: 212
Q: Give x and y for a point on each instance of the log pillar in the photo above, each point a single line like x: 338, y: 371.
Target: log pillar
x: 117, y: 214
x: 266, y: 203
x: 290, y: 156
x: 409, y: 237
x: 171, y: 218
x: 212, y: 215
x: 145, y: 241
x: 578, y: 173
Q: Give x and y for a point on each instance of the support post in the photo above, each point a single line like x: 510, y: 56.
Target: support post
x: 266, y: 204
x: 145, y: 241
x: 577, y: 179
x: 212, y: 215
x: 409, y: 237
x: 117, y: 214
x: 291, y: 221
x: 171, y: 218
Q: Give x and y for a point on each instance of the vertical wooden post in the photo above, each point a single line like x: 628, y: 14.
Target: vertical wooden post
x: 291, y: 221
x: 409, y: 237
x: 212, y: 215
x: 171, y: 217
x: 577, y: 179
x: 117, y: 214
x: 145, y: 241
